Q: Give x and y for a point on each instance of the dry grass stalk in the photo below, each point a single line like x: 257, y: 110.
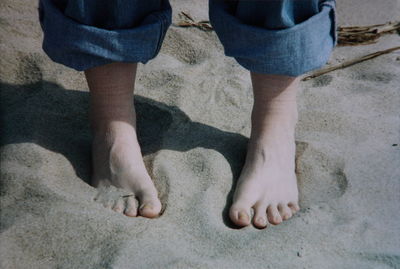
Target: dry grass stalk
x: 349, y: 63
x: 364, y: 35
x: 188, y: 21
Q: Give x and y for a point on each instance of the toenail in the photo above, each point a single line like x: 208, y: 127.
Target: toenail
x: 262, y: 221
x: 243, y: 216
x: 147, y: 207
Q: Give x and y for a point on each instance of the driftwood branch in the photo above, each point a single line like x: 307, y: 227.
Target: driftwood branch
x: 349, y: 63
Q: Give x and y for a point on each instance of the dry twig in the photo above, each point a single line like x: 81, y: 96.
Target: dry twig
x: 349, y: 63
x: 364, y: 35
x: 188, y: 21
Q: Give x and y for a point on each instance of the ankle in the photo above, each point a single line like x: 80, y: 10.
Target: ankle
x: 113, y: 131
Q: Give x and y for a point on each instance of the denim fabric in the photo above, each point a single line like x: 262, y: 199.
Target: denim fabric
x: 287, y: 37
x: 85, y: 34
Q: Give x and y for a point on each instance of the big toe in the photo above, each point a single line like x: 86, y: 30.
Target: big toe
x: 150, y: 209
x: 150, y: 205
x: 240, y: 215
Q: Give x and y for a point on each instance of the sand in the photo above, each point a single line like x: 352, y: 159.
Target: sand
x: 194, y: 106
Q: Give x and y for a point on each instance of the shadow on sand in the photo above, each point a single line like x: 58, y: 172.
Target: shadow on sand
x: 57, y: 119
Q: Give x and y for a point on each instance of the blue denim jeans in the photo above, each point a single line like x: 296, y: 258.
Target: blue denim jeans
x: 286, y: 37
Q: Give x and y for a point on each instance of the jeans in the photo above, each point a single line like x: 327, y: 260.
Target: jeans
x: 284, y: 37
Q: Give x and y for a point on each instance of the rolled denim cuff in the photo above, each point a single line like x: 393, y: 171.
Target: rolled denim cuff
x: 82, y: 46
x: 292, y: 51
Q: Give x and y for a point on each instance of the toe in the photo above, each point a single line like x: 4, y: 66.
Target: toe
x: 108, y: 204
x: 239, y: 215
x: 150, y: 205
x: 273, y: 215
x: 260, y: 216
x: 150, y: 209
x: 119, y: 205
x: 294, y: 206
x: 285, y: 211
x: 131, y: 207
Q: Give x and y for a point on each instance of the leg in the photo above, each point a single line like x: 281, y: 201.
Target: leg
x: 117, y: 159
x: 276, y: 41
x: 268, y: 182
x: 106, y: 39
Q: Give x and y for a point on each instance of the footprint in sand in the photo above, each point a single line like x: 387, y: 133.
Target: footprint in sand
x: 385, y: 259
x: 382, y: 77
x: 161, y: 79
x: 320, y: 177
x: 322, y: 81
x: 182, y: 46
x: 29, y: 68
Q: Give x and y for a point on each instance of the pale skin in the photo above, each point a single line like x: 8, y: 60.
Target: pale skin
x: 267, y: 183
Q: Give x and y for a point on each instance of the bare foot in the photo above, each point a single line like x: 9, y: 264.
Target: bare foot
x: 268, y: 182
x: 116, y: 154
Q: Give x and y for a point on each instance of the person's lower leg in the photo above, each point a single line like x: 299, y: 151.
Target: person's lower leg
x: 116, y: 154
x: 268, y: 181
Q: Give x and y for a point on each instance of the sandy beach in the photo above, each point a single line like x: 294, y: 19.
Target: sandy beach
x: 193, y: 107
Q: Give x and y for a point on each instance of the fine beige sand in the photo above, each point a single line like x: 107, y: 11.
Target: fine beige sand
x: 194, y: 106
